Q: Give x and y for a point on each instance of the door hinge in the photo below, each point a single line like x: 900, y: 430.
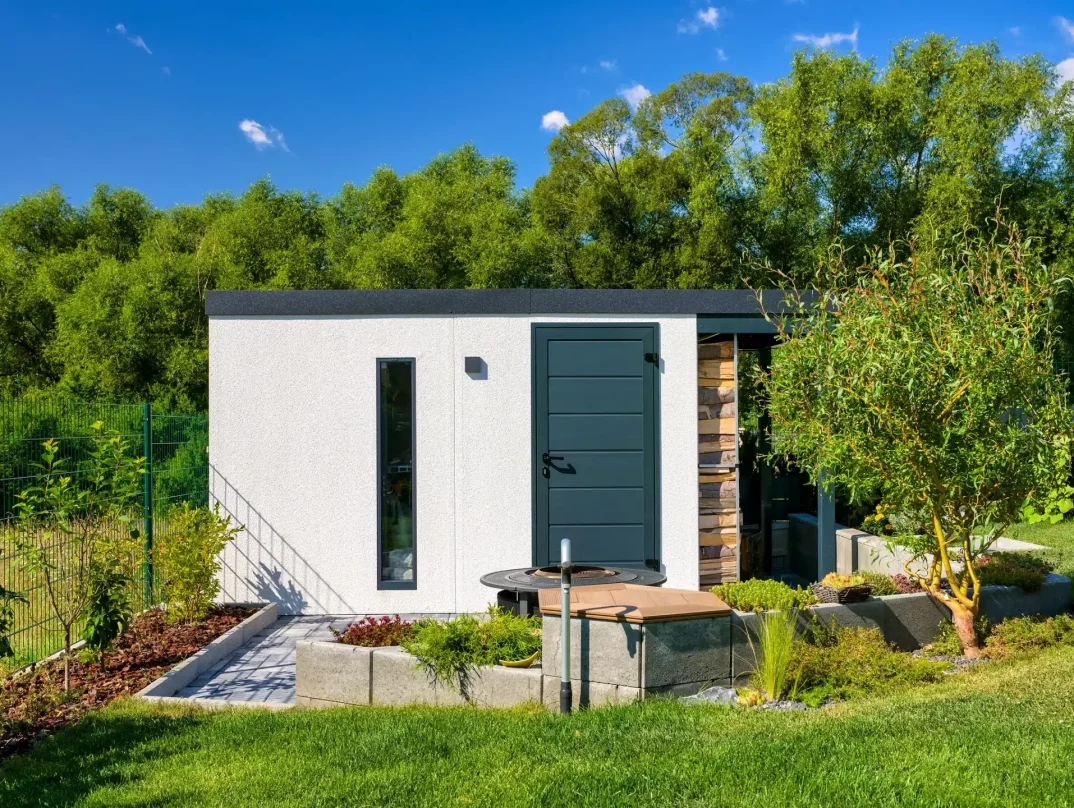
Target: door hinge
x: 654, y: 358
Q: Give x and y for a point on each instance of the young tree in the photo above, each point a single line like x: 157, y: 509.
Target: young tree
x: 929, y: 381
x: 63, y: 529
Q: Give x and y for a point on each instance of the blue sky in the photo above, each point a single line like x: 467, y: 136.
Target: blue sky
x: 182, y: 99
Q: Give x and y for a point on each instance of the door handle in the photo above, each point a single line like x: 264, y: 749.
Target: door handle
x: 547, y: 458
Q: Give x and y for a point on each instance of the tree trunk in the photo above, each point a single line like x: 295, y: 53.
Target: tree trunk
x: 963, y: 620
x: 67, y: 660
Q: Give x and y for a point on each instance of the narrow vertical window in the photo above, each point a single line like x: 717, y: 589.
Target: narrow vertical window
x: 395, y: 470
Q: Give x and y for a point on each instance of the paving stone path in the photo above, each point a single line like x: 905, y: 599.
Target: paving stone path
x: 263, y: 670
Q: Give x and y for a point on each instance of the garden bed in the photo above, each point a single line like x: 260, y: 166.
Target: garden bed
x: 331, y: 674
x: 910, y: 621
x: 33, y: 703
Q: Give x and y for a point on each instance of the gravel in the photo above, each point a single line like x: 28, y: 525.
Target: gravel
x: 728, y: 695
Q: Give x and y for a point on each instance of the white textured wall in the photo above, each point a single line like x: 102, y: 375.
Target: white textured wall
x: 292, y: 406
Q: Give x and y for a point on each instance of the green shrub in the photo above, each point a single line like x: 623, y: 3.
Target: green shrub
x: 880, y: 583
x: 109, y: 610
x: 845, y: 662
x: 772, y: 653
x: 757, y: 595
x: 947, y: 642
x: 187, y: 559
x: 1025, y: 634
x: 1013, y: 569
x: 8, y: 599
x: 837, y: 581
x: 375, y: 632
x: 451, y: 650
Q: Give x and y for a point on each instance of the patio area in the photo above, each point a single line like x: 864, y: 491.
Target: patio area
x: 263, y: 670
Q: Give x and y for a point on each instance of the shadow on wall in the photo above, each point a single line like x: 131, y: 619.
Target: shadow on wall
x: 259, y: 565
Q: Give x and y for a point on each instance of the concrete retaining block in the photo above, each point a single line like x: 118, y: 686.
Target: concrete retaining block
x: 506, y: 687
x: 585, y: 693
x: 912, y: 620
x: 867, y: 614
x: 601, y: 650
x: 1003, y: 602
x: 685, y: 651
x: 642, y: 656
x: 333, y: 672
x: 395, y: 681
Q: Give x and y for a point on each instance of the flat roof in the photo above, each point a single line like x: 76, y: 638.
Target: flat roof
x: 720, y: 302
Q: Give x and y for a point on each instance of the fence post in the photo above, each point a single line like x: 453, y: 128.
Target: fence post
x: 147, y: 502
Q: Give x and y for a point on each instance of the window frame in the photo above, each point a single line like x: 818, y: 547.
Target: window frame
x: 381, y: 583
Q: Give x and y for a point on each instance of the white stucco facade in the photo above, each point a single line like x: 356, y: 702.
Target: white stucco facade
x: 292, y: 449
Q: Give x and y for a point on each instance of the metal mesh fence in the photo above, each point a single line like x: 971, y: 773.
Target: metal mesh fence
x: 176, y: 470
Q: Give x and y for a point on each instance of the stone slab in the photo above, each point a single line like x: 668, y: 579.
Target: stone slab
x: 333, y: 672
x: 396, y: 681
x: 601, y: 651
x: 208, y: 657
x: 1003, y: 602
x: 912, y: 620
x: 867, y: 614
x: 685, y: 651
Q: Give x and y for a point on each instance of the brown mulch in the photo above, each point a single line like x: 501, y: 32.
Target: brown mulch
x: 34, y: 705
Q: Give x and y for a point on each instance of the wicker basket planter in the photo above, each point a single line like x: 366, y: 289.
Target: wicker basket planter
x: 846, y: 594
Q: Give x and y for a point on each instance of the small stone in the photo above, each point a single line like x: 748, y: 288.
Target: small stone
x: 712, y: 695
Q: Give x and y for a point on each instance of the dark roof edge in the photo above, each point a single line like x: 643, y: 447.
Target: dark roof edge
x: 488, y: 301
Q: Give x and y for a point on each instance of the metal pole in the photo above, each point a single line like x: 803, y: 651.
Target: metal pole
x: 565, y: 625
x: 147, y: 502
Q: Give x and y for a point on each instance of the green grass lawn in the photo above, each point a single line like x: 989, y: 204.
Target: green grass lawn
x: 1059, y: 539
x: 1001, y: 735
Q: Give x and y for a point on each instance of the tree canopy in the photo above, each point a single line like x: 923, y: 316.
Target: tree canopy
x: 697, y: 186
x: 927, y: 382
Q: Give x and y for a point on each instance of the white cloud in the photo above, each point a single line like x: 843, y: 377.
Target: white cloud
x: 263, y: 137
x: 1066, y: 26
x: 827, y: 40
x: 167, y: 71
x: 134, y: 39
x: 721, y: 55
x: 1015, y: 30
x: 635, y: 94
x: 608, y: 64
x: 705, y: 18
x: 553, y: 121
x: 1065, y: 69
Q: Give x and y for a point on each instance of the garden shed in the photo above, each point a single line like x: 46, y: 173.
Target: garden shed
x: 384, y: 449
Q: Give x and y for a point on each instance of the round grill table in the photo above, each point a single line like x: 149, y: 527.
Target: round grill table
x: 518, y: 587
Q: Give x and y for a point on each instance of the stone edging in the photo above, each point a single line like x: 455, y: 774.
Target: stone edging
x: 332, y: 674
x: 163, y: 690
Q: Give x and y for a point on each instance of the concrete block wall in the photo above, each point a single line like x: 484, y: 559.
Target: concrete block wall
x: 331, y: 674
x: 619, y: 662
x: 683, y: 655
x: 907, y: 621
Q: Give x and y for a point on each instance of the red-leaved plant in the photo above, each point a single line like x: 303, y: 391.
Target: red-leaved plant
x: 375, y: 632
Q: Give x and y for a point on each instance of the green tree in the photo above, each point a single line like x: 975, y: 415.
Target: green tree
x: 63, y: 528
x: 854, y: 153
x: 929, y: 381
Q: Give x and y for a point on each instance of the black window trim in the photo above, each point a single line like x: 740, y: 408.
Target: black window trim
x: 381, y: 583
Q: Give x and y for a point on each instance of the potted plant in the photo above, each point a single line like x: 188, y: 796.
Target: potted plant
x: 835, y: 588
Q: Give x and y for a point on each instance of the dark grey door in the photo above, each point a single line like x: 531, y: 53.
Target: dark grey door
x: 595, y: 451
